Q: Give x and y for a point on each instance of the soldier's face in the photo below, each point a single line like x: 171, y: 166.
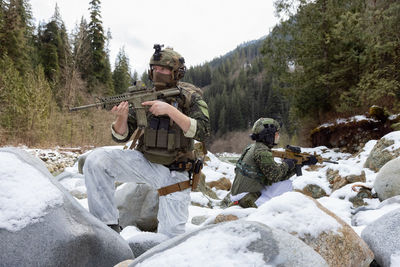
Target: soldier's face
x: 161, y: 69
x: 276, y: 137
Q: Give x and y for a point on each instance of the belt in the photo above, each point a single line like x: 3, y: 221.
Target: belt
x: 174, y: 188
x: 194, y: 167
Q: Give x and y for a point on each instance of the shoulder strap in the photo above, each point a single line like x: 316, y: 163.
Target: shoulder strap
x: 244, y: 154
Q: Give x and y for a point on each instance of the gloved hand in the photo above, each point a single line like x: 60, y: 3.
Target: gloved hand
x: 311, y: 160
x: 290, y: 163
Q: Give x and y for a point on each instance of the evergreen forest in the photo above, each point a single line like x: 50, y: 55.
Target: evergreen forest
x: 44, y: 70
x: 325, y: 60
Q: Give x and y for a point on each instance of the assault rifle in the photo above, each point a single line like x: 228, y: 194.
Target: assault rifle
x: 135, y: 96
x: 294, y: 152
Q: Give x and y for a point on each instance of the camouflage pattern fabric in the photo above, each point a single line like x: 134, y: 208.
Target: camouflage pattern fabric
x: 197, y: 109
x: 168, y: 58
x: 273, y: 172
x: 258, y: 169
x: 249, y: 200
x: 259, y: 125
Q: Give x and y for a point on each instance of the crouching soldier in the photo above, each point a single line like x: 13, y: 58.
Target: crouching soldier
x: 258, y: 177
x: 164, y: 156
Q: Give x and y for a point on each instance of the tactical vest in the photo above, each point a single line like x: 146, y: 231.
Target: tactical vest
x: 248, y: 175
x: 163, y: 140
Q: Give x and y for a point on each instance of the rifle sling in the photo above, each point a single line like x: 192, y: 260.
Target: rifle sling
x: 136, y: 135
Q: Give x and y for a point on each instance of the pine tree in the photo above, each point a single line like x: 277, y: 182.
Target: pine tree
x: 308, y: 56
x: 121, y: 75
x: 100, y: 68
x: 82, y: 53
x: 55, y: 54
x: 16, y: 33
x: 380, y: 81
x: 135, y: 76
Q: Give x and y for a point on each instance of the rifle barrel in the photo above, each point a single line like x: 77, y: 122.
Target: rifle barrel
x: 330, y: 161
x: 85, y: 106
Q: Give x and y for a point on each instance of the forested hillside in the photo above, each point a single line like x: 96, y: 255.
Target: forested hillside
x: 238, y: 89
x: 44, y: 70
x: 326, y: 59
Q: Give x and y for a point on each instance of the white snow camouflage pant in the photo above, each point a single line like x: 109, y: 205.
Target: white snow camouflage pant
x: 105, y: 166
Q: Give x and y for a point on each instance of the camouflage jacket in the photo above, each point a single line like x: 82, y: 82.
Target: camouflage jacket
x: 257, y: 168
x: 197, y: 110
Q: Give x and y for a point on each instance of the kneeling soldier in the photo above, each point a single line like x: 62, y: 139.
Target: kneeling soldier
x: 258, y: 177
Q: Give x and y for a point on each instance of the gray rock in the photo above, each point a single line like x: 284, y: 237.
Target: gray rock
x: 142, y: 242
x: 389, y: 201
x: 314, y: 191
x: 373, y: 213
x: 81, y: 161
x: 382, y: 236
x: 138, y: 206
x: 379, y: 155
x: 67, y: 235
x: 266, y: 246
x: 387, y: 182
x: 197, y: 220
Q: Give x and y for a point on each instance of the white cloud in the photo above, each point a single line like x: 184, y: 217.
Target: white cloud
x: 199, y: 30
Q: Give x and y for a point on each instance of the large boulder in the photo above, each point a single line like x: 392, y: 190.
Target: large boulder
x: 319, y: 228
x: 383, y: 236
x: 138, y: 206
x: 384, y: 150
x: 349, y: 133
x: 237, y: 243
x: 387, y: 181
x: 367, y: 215
x: 41, y: 224
x: 142, y: 242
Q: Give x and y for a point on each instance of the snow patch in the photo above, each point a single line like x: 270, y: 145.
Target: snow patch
x: 25, y: 195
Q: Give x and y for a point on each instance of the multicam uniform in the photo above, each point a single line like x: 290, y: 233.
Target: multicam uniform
x: 149, y: 163
x: 258, y: 177
x: 190, y: 103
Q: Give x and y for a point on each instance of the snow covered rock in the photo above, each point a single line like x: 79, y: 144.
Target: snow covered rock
x: 221, y: 184
x: 238, y: 243
x: 319, y: 228
x: 348, y: 133
x: 383, y: 236
x: 142, y: 242
x: 387, y: 182
x: 366, y: 215
x: 386, y: 149
x: 137, y: 205
x: 42, y: 225
x: 313, y: 190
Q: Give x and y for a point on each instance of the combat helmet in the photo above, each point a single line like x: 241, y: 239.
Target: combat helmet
x: 264, y: 130
x: 168, y: 58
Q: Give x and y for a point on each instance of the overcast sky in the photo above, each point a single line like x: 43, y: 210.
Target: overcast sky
x: 199, y: 30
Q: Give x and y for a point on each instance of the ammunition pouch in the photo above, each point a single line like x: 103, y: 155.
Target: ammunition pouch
x: 164, y: 142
